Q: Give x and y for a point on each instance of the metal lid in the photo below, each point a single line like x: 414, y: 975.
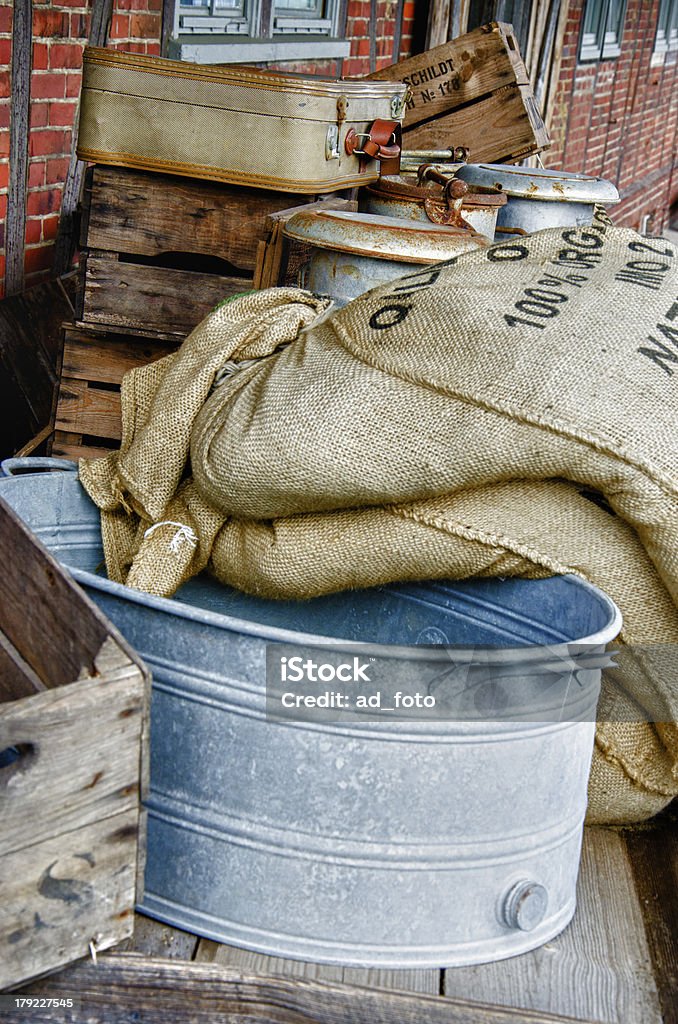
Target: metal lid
x: 389, y: 238
x: 537, y: 183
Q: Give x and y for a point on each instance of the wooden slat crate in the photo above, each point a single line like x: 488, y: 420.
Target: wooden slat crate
x: 88, y: 405
x: 473, y: 91
x: 159, y: 251
x: 278, y: 263
x: 73, y: 766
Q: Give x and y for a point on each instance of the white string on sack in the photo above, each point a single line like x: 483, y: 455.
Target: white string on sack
x: 184, y: 534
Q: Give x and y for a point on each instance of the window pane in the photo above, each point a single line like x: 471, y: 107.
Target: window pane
x: 593, y: 19
x: 233, y: 5
x: 299, y: 5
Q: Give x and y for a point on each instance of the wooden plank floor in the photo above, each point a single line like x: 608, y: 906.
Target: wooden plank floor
x: 616, y: 963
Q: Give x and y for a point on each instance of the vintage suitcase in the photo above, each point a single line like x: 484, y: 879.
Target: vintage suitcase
x: 237, y: 124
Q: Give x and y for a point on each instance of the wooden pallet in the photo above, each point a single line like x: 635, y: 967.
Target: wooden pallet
x: 87, y: 422
x: 473, y: 91
x: 159, y: 252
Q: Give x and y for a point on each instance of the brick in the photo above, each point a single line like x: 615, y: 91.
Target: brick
x: 40, y: 54
x: 50, y: 227
x: 79, y: 26
x: 56, y: 170
x: 4, y: 144
x: 5, y: 51
x: 33, y: 231
x: 73, y: 82
x: 47, y: 201
x: 4, y: 113
x: 3, y: 206
x: 4, y: 175
x: 65, y: 55
x: 135, y: 47
x: 48, y: 142
x: 47, y: 85
x: 363, y: 47
x: 360, y: 27
x: 39, y: 257
x: 48, y: 23
x: 62, y: 113
x: 144, y: 26
x: 153, y: 50
x: 5, y: 85
x: 6, y: 18
x: 120, y: 26
x: 36, y: 173
x: 39, y: 113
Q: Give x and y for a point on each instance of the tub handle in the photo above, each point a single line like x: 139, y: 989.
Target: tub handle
x: 36, y: 463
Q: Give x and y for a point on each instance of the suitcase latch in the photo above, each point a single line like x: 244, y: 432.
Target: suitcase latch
x: 332, y: 143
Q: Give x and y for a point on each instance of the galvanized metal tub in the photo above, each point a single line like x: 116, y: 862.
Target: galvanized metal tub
x: 400, y: 844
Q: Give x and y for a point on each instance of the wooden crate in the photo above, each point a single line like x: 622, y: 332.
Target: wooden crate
x: 73, y: 745
x: 87, y: 422
x: 159, y: 251
x: 473, y: 91
x: 278, y: 262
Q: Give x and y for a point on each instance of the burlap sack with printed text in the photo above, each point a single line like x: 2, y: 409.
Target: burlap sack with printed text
x: 419, y: 433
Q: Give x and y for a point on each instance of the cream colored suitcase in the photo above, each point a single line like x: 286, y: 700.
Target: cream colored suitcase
x: 237, y: 124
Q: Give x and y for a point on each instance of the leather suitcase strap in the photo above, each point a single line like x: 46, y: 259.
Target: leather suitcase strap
x: 383, y: 143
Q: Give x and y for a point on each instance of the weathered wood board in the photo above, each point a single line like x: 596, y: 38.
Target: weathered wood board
x: 598, y: 969
x: 87, y: 420
x: 86, y: 409
x: 106, y: 358
x: 413, y: 980
x: 124, y: 988
x: 154, y: 214
x: 653, y: 853
x: 74, y: 729
x: 505, y: 125
x: 171, y: 302
x: 473, y: 91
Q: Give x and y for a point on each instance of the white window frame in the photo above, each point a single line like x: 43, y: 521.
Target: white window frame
x: 605, y: 22
x: 666, y: 38
x: 256, y: 32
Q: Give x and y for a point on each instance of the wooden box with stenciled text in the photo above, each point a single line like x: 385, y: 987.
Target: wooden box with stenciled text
x: 474, y: 92
x: 74, y: 703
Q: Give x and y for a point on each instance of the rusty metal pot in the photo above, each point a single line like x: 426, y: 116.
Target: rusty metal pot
x: 538, y: 198
x: 355, y: 252
x: 433, y: 197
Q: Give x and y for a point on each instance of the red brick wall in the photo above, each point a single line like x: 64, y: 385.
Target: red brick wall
x: 619, y: 118
x: 60, y: 31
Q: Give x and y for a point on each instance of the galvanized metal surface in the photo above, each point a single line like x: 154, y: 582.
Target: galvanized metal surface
x: 390, y: 843
x: 354, y: 252
x: 539, y: 198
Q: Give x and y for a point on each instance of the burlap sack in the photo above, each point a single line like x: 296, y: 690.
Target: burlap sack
x: 551, y: 356
x: 412, y: 436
